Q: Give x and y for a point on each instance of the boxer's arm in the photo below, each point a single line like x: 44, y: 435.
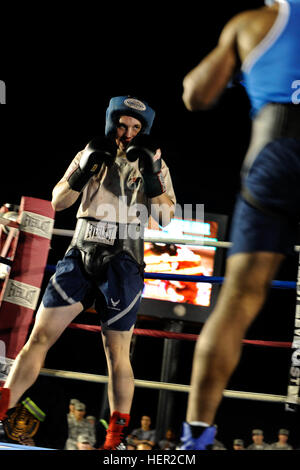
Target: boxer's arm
x: 163, y: 206
x: 63, y: 196
x: 204, y: 84
x: 162, y: 209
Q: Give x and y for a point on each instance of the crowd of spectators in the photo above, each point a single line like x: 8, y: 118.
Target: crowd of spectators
x: 86, y: 432
x: 143, y: 438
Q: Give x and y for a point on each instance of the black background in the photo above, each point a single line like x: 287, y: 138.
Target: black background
x: 60, y: 74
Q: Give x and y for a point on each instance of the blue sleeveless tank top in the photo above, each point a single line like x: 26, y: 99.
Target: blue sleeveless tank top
x: 271, y: 72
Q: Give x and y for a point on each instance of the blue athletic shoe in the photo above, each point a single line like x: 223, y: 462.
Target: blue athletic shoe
x: 188, y: 442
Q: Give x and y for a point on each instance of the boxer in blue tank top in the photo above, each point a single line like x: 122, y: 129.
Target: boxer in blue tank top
x: 262, y: 46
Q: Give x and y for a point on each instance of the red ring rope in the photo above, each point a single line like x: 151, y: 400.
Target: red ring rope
x: 181, y: 336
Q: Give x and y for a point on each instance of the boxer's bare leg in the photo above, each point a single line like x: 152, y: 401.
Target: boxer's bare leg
x: 49, y: 325
x: 121, y: 380
x: 218, y: 349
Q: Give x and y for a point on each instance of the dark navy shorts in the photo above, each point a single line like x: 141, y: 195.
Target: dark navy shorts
x: 116, y: 299
x: 274, y: 181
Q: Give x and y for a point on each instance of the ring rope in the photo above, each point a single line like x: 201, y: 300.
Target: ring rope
x: 210, y: 279
x: 163, y: 239
x: 161, y: 385
x: 160, y: 239
x: 179, y: 336
x: 197, y: 278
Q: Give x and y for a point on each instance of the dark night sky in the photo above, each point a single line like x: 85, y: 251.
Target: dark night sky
x: 58, y: 96
x: 58, y: 88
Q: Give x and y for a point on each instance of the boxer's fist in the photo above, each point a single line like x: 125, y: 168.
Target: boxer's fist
x: 99, y: 150
x: 144, y: 148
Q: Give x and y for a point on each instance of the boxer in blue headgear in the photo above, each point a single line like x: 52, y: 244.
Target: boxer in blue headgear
x: 128, y: 106
x: 124, y: 184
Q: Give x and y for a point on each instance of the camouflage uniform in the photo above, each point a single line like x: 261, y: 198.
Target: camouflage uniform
x: 77, y: 427
x: 263, y: 446
x: 278, y: 446
x: 259, y: 446
x: 281, y: 445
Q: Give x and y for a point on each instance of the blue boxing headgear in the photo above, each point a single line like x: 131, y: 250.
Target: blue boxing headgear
x: 127, y: 106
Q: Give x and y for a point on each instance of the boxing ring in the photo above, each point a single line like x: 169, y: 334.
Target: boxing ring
x: 291, y: 400
x: 13, y: 447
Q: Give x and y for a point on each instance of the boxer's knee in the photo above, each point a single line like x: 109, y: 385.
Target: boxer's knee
x: 252, y: 272
x: 117, y: 346
x: 41, y: 337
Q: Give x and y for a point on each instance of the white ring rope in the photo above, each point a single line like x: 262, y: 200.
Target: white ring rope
x: 162, y: 239
x: 180, y: 241
x: 62, y: 232
x: 162, y: 385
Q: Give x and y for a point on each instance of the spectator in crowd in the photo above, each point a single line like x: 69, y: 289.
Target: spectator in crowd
x: 144, y: 434
x: 72, y: 404
x: 169, y: 442
x: 258, y: 441
x: 281, y: 443
x: 84, y: 442
x: 144, y: 446
x: 92, y: 421
x: 79, y: 425
x: 238, y: 444
x: 130, y: 444
x: 217, y: 445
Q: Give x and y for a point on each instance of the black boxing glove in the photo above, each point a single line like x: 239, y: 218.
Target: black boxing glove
x: 98, y: 151
x: 144, y: 148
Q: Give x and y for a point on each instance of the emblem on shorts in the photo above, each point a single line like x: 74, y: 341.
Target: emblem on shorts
x: 135, y: 104
x: 114, y: 303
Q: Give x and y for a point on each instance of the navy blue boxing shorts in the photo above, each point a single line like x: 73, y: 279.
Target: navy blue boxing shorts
x: 116, y: 299
x: 274, y: 182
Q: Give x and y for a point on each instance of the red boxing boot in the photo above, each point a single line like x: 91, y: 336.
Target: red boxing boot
x: 115, y: 431
x: 4, y: 402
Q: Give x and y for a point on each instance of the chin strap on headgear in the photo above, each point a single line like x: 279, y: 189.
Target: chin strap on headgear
x: 127, y: 106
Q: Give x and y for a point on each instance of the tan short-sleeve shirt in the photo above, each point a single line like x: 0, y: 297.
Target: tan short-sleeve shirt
x: 117, y: 194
